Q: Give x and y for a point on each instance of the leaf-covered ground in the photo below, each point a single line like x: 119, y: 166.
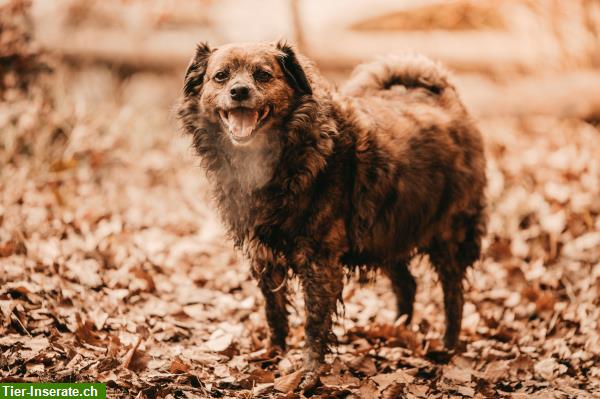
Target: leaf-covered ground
x: 114, y: 268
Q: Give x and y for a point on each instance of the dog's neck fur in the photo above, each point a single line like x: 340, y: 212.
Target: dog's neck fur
x: 252, y: 166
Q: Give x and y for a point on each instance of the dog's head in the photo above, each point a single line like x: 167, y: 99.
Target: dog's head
x: 245, y: 88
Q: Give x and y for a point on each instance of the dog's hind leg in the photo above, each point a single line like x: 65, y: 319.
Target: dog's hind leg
x: 404, y: 287
x: 451, y: 260
x: 273, y: 284
x: 451, y: 276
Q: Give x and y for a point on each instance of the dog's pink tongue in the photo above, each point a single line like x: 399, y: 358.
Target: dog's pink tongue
x: 242, y: 122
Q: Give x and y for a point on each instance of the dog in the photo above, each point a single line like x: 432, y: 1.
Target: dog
x: 312, y: 182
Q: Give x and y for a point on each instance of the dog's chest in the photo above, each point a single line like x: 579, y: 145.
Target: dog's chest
x: 251, y: 168
x: 251, y: 173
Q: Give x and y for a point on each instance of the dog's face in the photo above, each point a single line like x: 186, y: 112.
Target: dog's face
x: 246, y: 89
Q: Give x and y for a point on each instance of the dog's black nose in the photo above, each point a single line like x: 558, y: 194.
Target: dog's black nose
x: 239, y: 92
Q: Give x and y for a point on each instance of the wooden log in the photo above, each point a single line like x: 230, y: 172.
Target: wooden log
x: 573, y: 95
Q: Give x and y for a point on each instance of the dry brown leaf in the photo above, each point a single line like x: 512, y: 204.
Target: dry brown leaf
x: 256, y: 376
x: 465, y: 391
x: 457, y: 374
x: 130, y: 353
x: 496, y: 370
x: 368, y: 389
x: 545, y: 302
x: 219, y: 341
x: 148, y: 282
x: 340, y: 380
x: 99, y: 317
x: 139, y: 361
x: 85, y: 271
x: 288, y: 383
x: 262, y: 376
x: 260, y: 389
x: 364, y: 364
x: 37, y: 344
x: 395, y: 334
x: 12, y: 247
x: 549, y: 368
x: 178, y: 366
x: 385, y: 380
x: 10, y: 340
x: 86, y: 333
x: 394, y: 391
x: 63, y: 164
x: 521, y: 363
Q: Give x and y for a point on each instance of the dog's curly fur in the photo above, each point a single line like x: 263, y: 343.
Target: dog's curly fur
x: 388, y: 167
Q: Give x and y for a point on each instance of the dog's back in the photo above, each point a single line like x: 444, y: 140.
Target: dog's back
x: 415, y: 133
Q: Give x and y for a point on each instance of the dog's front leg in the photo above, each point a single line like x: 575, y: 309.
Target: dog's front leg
x: 272, y: 280
x: 322, y: 283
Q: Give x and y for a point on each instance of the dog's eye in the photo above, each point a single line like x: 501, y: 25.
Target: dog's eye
x: 221, y: 76
x: 262, y: 76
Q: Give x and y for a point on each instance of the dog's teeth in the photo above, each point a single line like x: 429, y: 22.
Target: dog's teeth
x: 224, y: 117
x: 264, y: 113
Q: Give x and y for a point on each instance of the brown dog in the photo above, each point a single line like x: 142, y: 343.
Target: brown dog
x: 311, y: 182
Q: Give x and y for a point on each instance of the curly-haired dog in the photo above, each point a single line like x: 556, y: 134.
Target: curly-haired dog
x: 314, y: 181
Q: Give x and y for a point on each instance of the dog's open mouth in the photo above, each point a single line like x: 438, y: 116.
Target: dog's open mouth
x: 243, y: 122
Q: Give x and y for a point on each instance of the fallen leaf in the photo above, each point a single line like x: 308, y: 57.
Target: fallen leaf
x: 86, y: 333
x: 148, y: 284
x: 549, y: 368
x: 85, y: 271
x: 496, y: 370
x: 288, y: 383
x: 130, y: 353
x: 368, y: 390
x: 12, y: 247
x: 219, y: 341
x: 465, y: 391
x: 178, y: 366
x: 364, y: 364
x: 385, y: 380
x: 340, y: 380
x: 457, y: 374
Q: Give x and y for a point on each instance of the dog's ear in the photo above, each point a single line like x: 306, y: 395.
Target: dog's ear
x: 292, y: 69
x: 194, y: 76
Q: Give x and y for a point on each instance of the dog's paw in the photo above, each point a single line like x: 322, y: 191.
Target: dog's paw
x: 274, y: 350
x: 310, y: 380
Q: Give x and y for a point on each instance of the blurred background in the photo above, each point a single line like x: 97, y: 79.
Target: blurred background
x: 113, y: 264
x: 554, y: 43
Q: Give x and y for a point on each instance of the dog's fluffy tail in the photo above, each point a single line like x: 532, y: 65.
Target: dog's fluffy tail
x: 410, y: 70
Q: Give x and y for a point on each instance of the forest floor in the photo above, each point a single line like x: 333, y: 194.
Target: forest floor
x: 114, y: 267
